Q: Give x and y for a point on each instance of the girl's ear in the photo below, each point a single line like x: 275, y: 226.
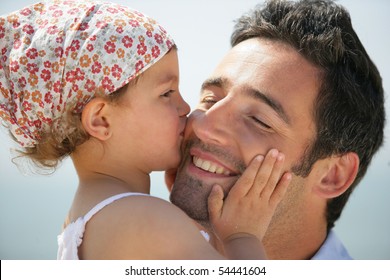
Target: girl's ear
x: 337, y: 175
x: 94, y: 118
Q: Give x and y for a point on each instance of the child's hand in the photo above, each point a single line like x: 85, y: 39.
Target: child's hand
x: 251, y: 202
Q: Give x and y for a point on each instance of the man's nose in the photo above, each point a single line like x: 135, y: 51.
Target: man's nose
x: 216, y: 125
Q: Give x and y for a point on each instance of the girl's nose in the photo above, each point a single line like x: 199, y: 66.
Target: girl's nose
x: 183, y: 108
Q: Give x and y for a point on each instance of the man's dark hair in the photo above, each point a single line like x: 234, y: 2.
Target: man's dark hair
x: 349, y: 110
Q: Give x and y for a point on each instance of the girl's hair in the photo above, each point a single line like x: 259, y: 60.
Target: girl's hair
x: 52, y: 148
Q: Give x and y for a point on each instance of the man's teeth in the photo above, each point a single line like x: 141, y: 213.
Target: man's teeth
x: 209, y: 166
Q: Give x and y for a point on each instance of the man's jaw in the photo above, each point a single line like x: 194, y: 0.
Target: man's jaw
x: 203, y: 166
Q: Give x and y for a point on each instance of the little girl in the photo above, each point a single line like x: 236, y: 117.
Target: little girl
x: 76, y: 80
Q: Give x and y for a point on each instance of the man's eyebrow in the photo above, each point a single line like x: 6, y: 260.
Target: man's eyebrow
x: 275, y: 105
x: 217, y: 82
x: 223, y: 83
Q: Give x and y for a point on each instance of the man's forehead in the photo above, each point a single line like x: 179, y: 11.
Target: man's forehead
x: 262, y: 51
x: 270, y: 72
x: 266, y: 63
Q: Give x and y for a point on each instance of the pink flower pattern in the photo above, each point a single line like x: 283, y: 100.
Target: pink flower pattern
x: 44, y: 73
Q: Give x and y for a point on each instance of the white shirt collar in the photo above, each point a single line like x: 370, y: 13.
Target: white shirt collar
x: 332, y: 249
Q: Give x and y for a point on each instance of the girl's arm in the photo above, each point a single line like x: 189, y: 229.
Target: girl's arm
x: 145, y: 227
x: 142, y: 228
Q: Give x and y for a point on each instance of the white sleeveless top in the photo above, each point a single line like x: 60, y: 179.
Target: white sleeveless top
x: 72, y: 236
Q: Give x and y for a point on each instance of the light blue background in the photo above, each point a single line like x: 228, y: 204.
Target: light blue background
x: 32, y: 207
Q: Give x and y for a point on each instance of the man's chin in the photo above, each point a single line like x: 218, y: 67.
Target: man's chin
x: 190, y: 196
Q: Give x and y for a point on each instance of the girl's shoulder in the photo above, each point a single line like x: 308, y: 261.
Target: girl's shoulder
x: 143, y: 227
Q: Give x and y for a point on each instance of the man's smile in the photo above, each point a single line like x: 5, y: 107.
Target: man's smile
x: 205, y: 163
x: 209, y: 166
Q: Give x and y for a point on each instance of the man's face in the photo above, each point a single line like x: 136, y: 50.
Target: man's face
x: 260, y: 97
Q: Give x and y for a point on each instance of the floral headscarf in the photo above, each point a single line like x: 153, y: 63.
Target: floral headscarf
x: 55, y: 55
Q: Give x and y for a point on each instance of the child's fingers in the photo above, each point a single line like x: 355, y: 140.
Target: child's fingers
x: 215, y: 202
x: 245, y: 182
x: 280, y: 189
x: 274, y: 176
x: 263, y: 173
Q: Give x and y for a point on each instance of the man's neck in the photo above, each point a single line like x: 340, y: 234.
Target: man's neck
x: 285, y: 243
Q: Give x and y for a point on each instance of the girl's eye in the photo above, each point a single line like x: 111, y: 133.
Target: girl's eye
x: 261, y: 123
x: 168, y: 93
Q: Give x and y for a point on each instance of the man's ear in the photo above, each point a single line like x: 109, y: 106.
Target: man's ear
x: 94, y: 119
x: 337, y: 175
